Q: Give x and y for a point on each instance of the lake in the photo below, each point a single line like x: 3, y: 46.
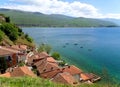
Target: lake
x: 91, y: 49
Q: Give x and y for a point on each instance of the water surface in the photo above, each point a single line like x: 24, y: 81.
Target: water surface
x: 91, y: 49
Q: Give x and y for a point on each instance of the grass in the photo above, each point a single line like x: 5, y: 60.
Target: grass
x: 28, y: 82
x: 38, y: 82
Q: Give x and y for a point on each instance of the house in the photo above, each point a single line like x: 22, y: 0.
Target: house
x: 7, y: 74
x: 8, y: 58
x: 73, y: 70
x: 22, y: 51
x: 18, y: 72
x: 36, y: 57
x: 89, y: 77
x: 45, y: 64
x: 65, y: 78
x: 47, y: 59
x: 47, y: 67
x: 51, y: 74
x: 21, y: 48
x: 22, y: 71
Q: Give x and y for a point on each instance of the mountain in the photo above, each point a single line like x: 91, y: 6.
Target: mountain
x: 117, y: 21
x: 24, y: 18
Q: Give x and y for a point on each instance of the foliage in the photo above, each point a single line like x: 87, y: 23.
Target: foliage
x: 3, y: 64
x: 7, y: 19
x: 1, y: 35
x: 62, y: 63
x: 44, y: 47
x: 28, y: 38
x: 56, y: 56
x: 38, y: 82
x: 21, y: 63
x: 10, y: 30
x: 12, y: 33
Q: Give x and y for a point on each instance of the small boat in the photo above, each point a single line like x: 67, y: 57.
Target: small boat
x: 75, y: 44
x: 67, y: 43
x: 81, y: 47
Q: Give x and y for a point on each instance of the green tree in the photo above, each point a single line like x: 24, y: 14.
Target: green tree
x: 7, y: 19
x: 28, y: 38
x: 3, y: 64
x: 62, y: 63
x: 10, y: 30
x: 44, y: 47
x: 56, y: 55
x: 1, y: 35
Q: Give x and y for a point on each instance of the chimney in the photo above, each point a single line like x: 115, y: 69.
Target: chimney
x: 63, y: 69
x: 68, y: 66
x: 18, y: 46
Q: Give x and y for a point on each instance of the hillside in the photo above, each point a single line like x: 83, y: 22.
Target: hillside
x: 11, y: 34
x: 117, y: 21
x: 23, y: 18
x: 38, y: 82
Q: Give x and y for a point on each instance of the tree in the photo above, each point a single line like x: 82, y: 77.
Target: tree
x: 10, y: 30
x: 44, y: 47
x: 1, y: 35
x: 7, y: 19
x: 3, y: 64
x: 56, y: 56
x: 29, y: 39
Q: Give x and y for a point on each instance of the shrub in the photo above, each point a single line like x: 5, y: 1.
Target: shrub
x: 29, y: 39
x: 10, y: 30
x: 44, y: 47
x: 56, y: 56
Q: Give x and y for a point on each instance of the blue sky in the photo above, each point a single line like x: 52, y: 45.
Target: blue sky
x: 75, y: 8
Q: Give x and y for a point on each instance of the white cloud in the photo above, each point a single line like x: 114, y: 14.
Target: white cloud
x: 75, y: 8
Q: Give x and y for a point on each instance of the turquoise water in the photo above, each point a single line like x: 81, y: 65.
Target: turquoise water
x: 91, y: 49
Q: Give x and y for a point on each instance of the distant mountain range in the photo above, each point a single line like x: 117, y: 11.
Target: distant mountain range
x: 24, y: 18
x: 117, y: 21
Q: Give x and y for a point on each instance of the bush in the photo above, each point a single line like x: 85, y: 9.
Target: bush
x: 56, y: 56
x: 7, y: 19
x: 62, y: 63
x: 29, y: 39
x: 10, y: 30
x: 1, y: 35
x: 44, y: 47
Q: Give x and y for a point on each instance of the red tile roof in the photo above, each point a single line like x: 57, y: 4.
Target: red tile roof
x: 40, y: 62
x: 41, y: 55
x: 37, y: 56
x: 7, y: 51
x: 69, y: 69
x: 47, y: 66
x: 50, y: 74
x: 65, y: 78
x: 6, y: 75
x: 72, y: 70
x: 22, y: 71
x: 51, y: 59
x: 19, y: 47
x: 89, y: 76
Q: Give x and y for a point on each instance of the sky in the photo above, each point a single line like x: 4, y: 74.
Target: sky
x: 74, y: 8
